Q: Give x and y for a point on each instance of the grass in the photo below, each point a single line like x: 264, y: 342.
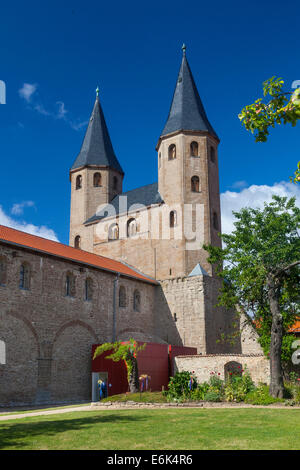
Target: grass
x: 145, y: 397
x: 156, y: 429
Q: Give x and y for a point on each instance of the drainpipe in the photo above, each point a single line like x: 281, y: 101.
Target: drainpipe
x: 115, y: 306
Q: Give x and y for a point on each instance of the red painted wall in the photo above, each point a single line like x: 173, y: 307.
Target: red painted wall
x: 155, y: 360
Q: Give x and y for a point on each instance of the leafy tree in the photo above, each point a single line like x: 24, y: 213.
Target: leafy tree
x: 259, y: 266
x: 124, y: 351
x: 281, y: 107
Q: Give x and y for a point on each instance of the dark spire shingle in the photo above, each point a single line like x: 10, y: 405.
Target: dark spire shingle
x: 97, y: 148
x: 187, y: 111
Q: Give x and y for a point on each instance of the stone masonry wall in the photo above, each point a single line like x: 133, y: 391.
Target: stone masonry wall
x: 48, y: 336
x: 204, y: 365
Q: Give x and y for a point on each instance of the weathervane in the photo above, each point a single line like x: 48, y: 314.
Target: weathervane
x: 97, y: 91
x: 183, y: 48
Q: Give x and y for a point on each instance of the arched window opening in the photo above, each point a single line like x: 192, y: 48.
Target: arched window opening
x: 131, y: 228
x: 215, y: 221
x: 194, y: 149
x: 77, y: 242
x: 78, y: 182
x: 173, y: 219
x: 195, y: 184
x: 212, y: 154
x: 88, y: 289
x: 137, y: 301
x: 24, y: 276
x: 172, y: 152
x: 113, y: 232
x: 232, y: 368
x: 97, y: 179
x: 159, y: 160
x: 115, y: 183
x: 122, y: 296
x: 3, y: 271
x: 70, y: 285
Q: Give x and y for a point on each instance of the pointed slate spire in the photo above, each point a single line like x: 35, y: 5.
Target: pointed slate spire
x: 187, y: 111
x: 97, y: 148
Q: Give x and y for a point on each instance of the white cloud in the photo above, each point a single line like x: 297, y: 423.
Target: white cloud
x: 18, y: 209
x: 41, y: 231
x: 255, y: 196
x: 27, y: 91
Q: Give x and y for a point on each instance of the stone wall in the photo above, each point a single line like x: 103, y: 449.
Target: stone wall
x: 204, y: 365
x: 48, y: 336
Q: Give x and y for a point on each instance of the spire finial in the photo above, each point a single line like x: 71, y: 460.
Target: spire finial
x: 97, y: 92
x: 183, y: 48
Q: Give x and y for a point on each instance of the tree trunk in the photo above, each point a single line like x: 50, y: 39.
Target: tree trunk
x: 133, y: 380
x: 276, y: 382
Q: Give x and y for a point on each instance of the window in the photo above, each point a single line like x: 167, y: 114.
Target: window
x: 115, y: 183
x: 212, y: 154
x: 173, y: 219
x: 131, y: 228
x: 70, y: 285
x: 122, y: 297
x: 24, y: 276
x: 194, y: 149
x: 88, y: 289
x: 215, y: 221
x: 3, y: 271
x: 159, y: 160
x: 113, y: 232
x: 137, y: 301
x: 78, y: 182
x: 172, y: 152
x: 195, y: 184
x: 97, y: 179
x: 2, y: 352
x: 77, y: 241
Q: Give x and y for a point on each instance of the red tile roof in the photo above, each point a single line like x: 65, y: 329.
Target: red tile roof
x: 295, y: 328
x: 23, y: 239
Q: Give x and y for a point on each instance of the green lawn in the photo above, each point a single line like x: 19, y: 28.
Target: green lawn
x: 157, y: 429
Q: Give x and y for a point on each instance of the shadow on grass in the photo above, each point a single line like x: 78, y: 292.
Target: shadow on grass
x: 21, y: 435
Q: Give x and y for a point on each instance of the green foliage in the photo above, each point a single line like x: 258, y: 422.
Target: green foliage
x: 238, y: 386
x: 213, y: 395
x: 261, y: 396
x: 121, y: 351
x: 264, y: 243
x: 179, y: 385
x: 281, y: 107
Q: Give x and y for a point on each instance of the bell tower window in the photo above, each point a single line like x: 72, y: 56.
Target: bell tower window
x: 97, y: 180
x: 194, y: 148
x: 212, y: 155
x: 195, y: 184
x: 78, y: 182
x: 172, y: 152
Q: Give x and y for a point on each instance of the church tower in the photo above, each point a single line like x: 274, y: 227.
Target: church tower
x: 96, y: 177
x: 188, y: 170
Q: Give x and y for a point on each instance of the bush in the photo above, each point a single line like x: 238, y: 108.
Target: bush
x: 179, y: 385
x: 213, y: 395
x: 261, y: 396
x: 199, y: 393
x: 238, y: 386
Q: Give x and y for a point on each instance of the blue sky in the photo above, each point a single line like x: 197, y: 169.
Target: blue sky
x: 132, y: 50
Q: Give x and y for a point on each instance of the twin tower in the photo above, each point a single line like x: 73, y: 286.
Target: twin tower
x: 160, y: 228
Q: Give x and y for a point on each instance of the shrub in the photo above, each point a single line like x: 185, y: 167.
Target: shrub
x: 200, y: 392
x: 261, y: 396
x: 179, y: 385
x: 213, y: 395
x: 238, y: 386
